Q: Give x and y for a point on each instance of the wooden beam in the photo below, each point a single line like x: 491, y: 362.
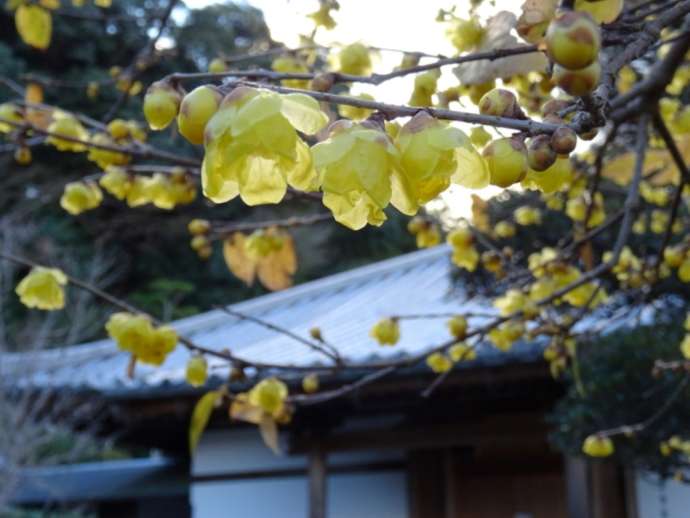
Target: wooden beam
x: 317, y: 482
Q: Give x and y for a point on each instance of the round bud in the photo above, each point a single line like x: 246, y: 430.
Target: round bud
x: 589, y: 135
x: 577, y: 82
x: 563, y: 141
x: 507, y: 161
x: 198, y: 227
x: 22, y: 155
x: 217, y: 66
x: 310, y: 383
x: 553, y: 106
x: 161, y: 104
x: 197, y: 107
x: 491, y: 261
x: 573, y: 39
x: 322, y: 82
x: 499, y: 103
x: 540, y: 154
x: 198, y: 242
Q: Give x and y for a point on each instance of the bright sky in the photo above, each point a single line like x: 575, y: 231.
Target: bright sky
x: 398, y: 24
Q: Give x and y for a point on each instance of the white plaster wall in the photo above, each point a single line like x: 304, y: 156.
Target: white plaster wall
x: 675, y: 496
x: 361, y: 495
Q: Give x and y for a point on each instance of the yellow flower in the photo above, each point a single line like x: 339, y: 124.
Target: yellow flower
x: 290, y: 64
x: 598, y: 446
x: 253, y: 150
x: 356, y: 165
x: 555, y: 178
x: 310, y: 383
x: 65, y: 125
x: 462, y: 352
x: 116, y: 181
x: 527, y: 216
x: 506, y: 334
x: 576, y: 209
x: 43, y: 289
x: 386, y: 331
x: 9, y: 112
x: 135, y: 334
x: 685, y: 347
x: 465, y: 34
x: 428, y: 237
x: 431, y: 155
x: 269, y: 395
x: 465, y: 255
x: 129, y: 330
x: 504, y: 229
x: 106, y: 157
x: 439, y: 362
x: 80, y: 196
x: 514, y: 300
x: 457, y: 327
x: 197, y: 371
x: 424, y: 87
x: 322, y: 17
x: 354, y: 59
x: 354, y: 112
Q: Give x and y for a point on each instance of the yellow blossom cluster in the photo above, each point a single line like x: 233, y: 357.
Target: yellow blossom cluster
x: 136, y: 334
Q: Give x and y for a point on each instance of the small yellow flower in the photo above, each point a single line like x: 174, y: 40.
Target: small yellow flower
x: 386, y: 331
x: 43, y: 289
x: 457, y: 327
x: 527, y: 216
x: 116, y: 181
x: 354, y: 59
x: 439, y: 362
x: 65, y: 125
x: 269, y: 395
x: 310, y: 383
x: 685, y: 347
x: 80, y: 196
x: 598, y: 446
x: 462, y: 352
x: 253, y: 150
x: 197, y: 371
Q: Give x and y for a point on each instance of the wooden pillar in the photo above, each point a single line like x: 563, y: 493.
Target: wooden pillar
x: 577, y: 488
x: 317, y: 483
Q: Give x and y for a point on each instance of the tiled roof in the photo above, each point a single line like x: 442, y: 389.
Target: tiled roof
x: 344, y: 306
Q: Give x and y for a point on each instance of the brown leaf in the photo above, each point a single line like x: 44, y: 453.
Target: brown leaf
x: 276, y: 269
x: 242, y: 266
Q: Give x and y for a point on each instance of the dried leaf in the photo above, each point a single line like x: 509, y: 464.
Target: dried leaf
x: 498, y: 36
x: 269, y: 433
x: 237, y: 260
x: 200, y: 417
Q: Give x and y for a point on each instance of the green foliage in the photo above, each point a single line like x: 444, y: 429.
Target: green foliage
x: 619, y: 388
